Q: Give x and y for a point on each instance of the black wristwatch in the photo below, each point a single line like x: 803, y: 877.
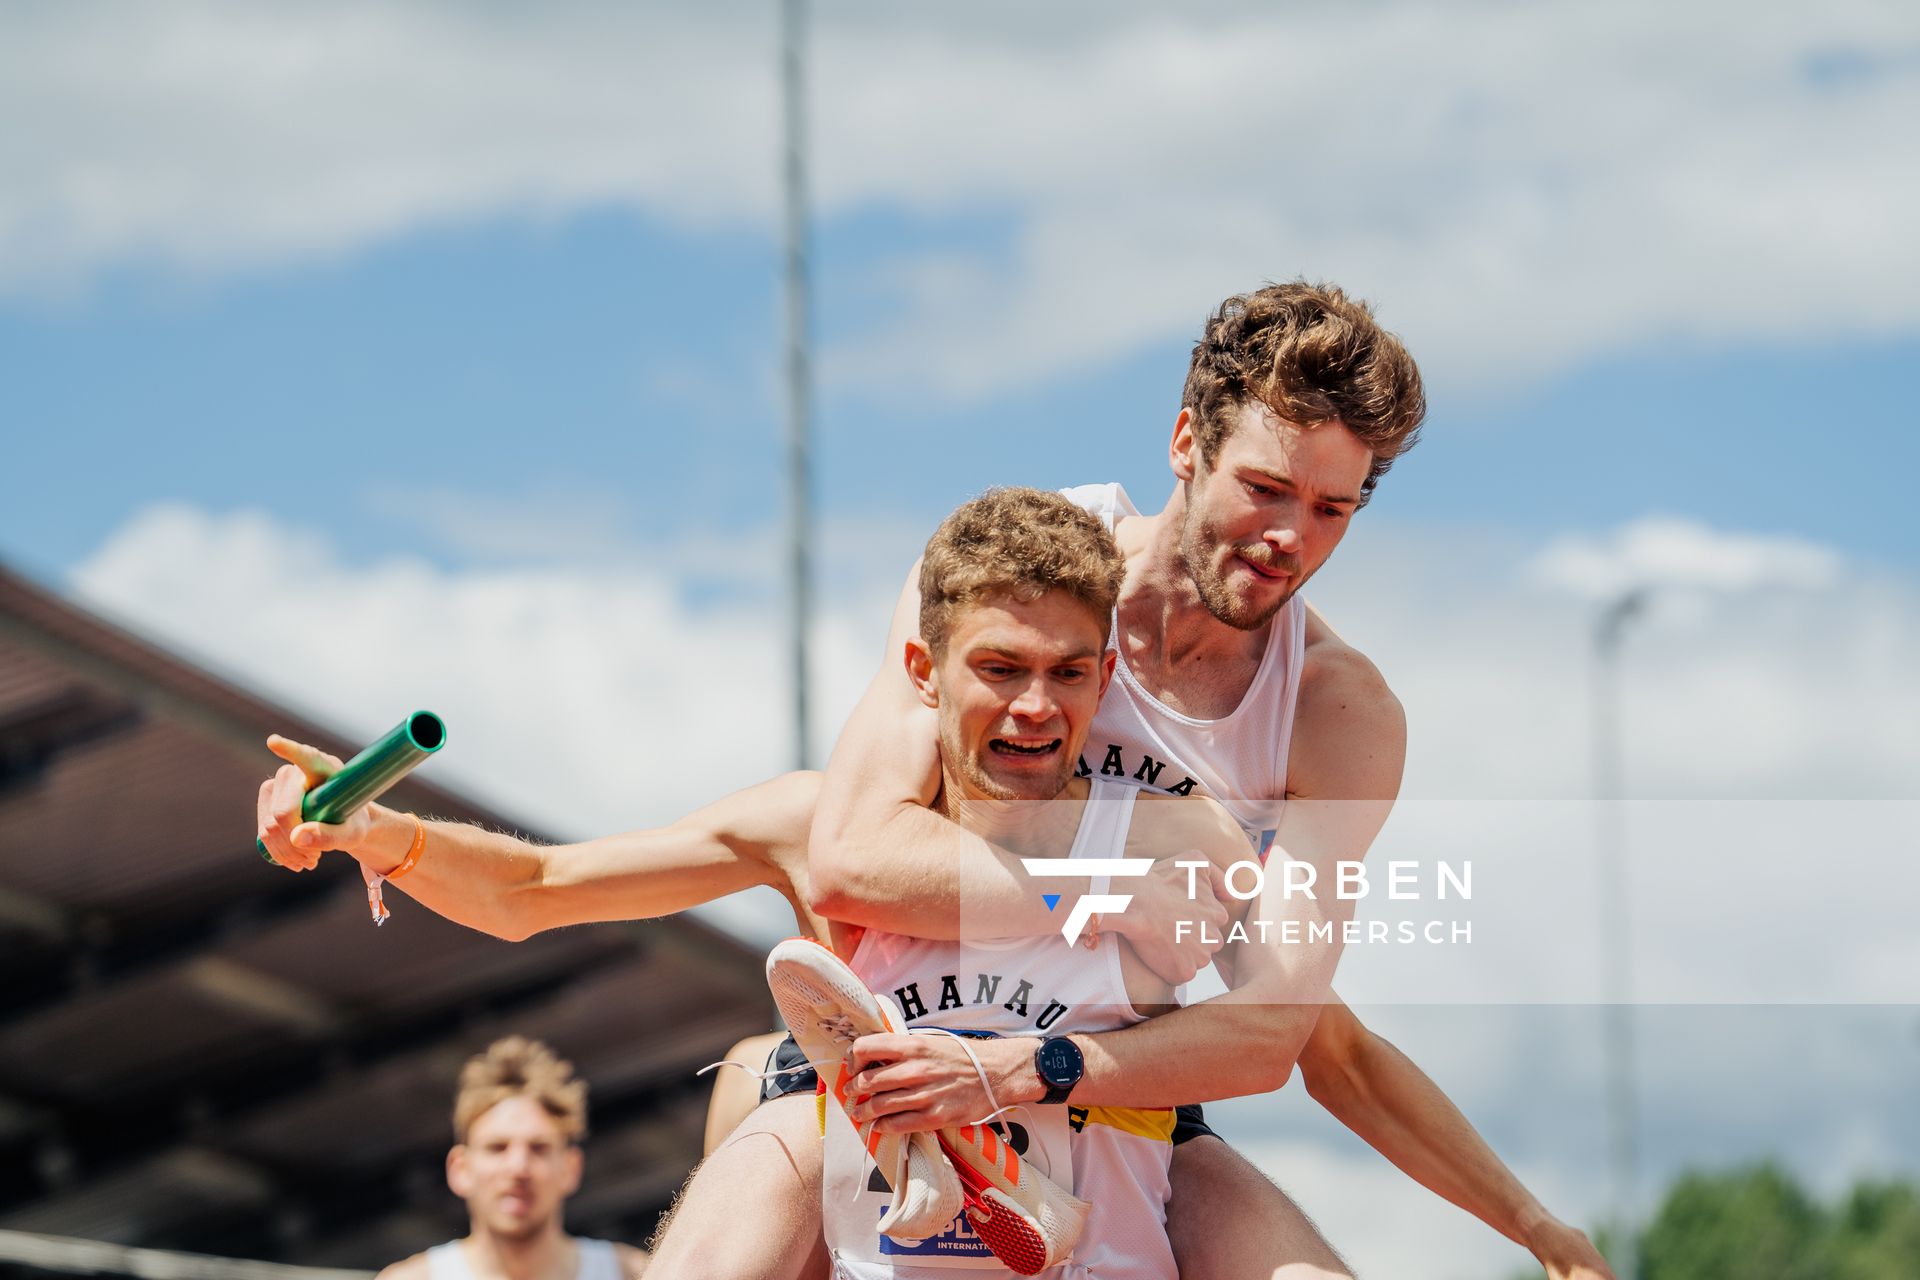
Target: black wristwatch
x: 1060, y: 1065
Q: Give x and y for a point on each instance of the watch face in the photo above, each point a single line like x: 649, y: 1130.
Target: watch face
x: 1060, y: 1063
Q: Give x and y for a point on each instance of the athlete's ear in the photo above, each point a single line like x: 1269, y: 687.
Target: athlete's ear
x: 1183, y: 451
x: 458, y: 1181
x: 920, y: 671
x: 571, y: 1183
x: 1106, y: 671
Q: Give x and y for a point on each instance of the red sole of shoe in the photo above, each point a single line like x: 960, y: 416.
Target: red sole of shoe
x: 1011, y: 1237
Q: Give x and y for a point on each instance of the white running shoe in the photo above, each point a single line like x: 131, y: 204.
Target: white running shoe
x: 827, y: 1008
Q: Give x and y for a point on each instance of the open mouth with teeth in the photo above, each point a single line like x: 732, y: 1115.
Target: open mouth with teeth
x: 1024, y: 750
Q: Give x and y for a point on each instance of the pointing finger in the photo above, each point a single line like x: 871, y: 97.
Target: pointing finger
x: 316, y: 764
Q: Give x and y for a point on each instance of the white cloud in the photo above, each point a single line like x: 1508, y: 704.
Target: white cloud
x: 1661, y: 553
x: 582, y: 700
x: 218, y: 135
x: 1520, y: 188
x: 1770, y: 752
x: 1781, y: 688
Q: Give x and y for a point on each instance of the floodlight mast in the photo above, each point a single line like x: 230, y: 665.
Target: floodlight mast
x: 1616, y: 1008
x: 799, y: 373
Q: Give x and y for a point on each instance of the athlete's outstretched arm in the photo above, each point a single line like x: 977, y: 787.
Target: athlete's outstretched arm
x: 881, y: 857
x: 1378, y: 1092
x: 512, y: 888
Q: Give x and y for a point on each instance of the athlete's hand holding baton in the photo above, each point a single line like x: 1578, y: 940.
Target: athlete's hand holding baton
x: 315, y: 802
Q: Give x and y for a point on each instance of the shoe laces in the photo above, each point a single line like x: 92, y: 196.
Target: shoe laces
x: 986, y: 1087
x: 769, y: 1074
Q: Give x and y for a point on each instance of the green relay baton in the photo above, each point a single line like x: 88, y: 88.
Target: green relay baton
x: 368, y: 775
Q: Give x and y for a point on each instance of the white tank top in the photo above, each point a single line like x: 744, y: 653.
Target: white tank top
x: 1241, y: 758
x: 598, y: 1261
x: 1115, y: 1158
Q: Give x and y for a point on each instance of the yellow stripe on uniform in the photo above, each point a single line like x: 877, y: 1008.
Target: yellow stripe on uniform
x: 1155, y: 1123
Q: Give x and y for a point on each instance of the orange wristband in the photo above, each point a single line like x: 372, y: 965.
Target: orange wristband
x: 414, y: 850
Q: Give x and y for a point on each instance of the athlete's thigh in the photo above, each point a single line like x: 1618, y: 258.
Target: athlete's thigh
x: 1227, y: 1219
x: 737, y: 1093
x: 751, y: 1211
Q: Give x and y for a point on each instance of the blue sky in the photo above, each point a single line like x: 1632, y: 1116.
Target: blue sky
x: 385, y: 355
x: 240, y: 332
x: 609, y: 356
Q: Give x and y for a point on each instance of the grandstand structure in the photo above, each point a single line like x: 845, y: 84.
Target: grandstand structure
x: 200, y: 1052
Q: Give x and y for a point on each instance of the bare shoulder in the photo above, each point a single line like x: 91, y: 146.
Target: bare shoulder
x: 414, y: 1268
x: 633, y: 1262
x: 1164, y: 824
x: 1336, y: 677
x: 1349, y: 730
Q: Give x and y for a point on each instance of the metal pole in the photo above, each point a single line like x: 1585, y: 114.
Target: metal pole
x: 1623, y: 1145
x: 793, y: 18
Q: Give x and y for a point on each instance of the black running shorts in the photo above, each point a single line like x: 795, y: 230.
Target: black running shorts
x: 795, y: 1075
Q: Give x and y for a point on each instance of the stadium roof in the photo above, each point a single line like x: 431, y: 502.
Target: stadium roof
x: 201, y: 1052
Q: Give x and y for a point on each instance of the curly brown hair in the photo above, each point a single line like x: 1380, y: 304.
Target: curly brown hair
x: 1017, y: 542
x: 1311, y: 354
x: 513, y: 1067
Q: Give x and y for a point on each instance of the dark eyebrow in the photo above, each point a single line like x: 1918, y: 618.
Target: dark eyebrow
x: 1011, y: 656
x: 1338, y: 500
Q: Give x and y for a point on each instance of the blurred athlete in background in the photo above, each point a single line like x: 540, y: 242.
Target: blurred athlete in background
x: 518, y: 1121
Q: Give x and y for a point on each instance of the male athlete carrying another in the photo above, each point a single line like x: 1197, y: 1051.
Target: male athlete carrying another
x: 1296, y: 403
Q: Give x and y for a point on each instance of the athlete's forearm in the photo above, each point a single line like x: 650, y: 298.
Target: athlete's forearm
x: 912, y: 871
x: 512, y: 888
x: 1377, y: 1092
x: 1219, y: 1048
x: 1196, y: 1054
x: 472, y: 876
